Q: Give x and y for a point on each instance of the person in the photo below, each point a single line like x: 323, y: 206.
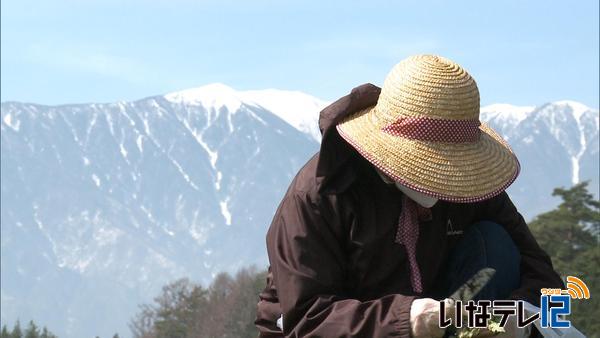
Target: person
x: 403, y: 203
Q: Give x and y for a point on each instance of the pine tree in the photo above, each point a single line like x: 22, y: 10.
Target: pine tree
x: 32, y: 330
x: 46, y: 334
x: 5, y: 333
x: 565, y: 232
x: 569, y: 234
x: 16, y: 332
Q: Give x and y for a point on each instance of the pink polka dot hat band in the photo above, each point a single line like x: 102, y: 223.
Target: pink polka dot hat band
x: 425, y: 132
x: 435, y: 130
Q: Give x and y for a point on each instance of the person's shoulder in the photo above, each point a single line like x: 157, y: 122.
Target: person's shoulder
x: 305, y: 187
x: 301, y: 195
x: 306, y: 181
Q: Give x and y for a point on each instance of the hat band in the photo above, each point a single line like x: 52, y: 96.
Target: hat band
x: 435, y: 130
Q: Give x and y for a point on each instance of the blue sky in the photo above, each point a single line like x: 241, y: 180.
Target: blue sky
x: 67, y: 51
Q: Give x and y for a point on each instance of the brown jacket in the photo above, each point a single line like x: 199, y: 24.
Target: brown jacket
x: 335, y: 270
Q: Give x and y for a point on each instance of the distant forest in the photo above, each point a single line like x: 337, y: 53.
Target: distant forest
x: 31, y: 331
x: 226, y: 308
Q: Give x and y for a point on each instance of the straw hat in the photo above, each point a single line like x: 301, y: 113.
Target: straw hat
x: 425, y: 133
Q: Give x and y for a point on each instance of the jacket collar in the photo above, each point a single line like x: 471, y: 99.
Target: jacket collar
x: 335, y: 169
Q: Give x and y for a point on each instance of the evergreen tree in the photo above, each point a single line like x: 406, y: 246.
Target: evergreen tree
x: 32, y: 330
x: 569, y: 234
x: 5, y: 333
x: 47, y: 334
x: 16, y: 332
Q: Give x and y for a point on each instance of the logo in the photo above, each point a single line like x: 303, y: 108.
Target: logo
x: 555, y: 306
x: 577, y: 288
x: 450, y: 229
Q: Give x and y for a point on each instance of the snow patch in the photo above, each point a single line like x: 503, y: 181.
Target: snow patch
x: 123, y: 150
x: 124, y: 112
x: 96, y: 180
x: 577, y: 108
x: 186, y: 177
x: 139, y: 142
x: 225, y: 211
x: 110, y: 123
x: 256, y: 117
x: 575, y: 165
x: 298, y: 109
x: 212, y: 155
x: 146, y: 126
x: 212, y: 96
x: 218, y: 182
x: 90, y: 127
x: 8, y: 120
x: 230, y: 123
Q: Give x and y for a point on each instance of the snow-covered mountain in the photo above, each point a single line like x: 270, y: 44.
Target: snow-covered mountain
x: 102, y: 204
x: 557, y: 144
x: 287, y: 105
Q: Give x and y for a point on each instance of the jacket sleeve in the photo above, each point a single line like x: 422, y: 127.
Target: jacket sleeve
x: 268, y: 310
x: 536, y: 268
x: 308, y: 263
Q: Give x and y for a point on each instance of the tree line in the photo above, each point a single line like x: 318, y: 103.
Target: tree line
x: 187, y: 310
x: 32, y: 331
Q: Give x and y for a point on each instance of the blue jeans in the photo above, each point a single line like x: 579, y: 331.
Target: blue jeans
x: 484, y: 244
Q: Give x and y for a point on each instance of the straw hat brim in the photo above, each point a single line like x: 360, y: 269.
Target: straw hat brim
x: 457, y: 172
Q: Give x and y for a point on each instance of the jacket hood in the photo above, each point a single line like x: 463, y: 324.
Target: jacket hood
x: 335, y: 151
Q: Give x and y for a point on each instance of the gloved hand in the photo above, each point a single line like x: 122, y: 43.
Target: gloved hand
x: 511, y: 330
x: 425, y: 317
